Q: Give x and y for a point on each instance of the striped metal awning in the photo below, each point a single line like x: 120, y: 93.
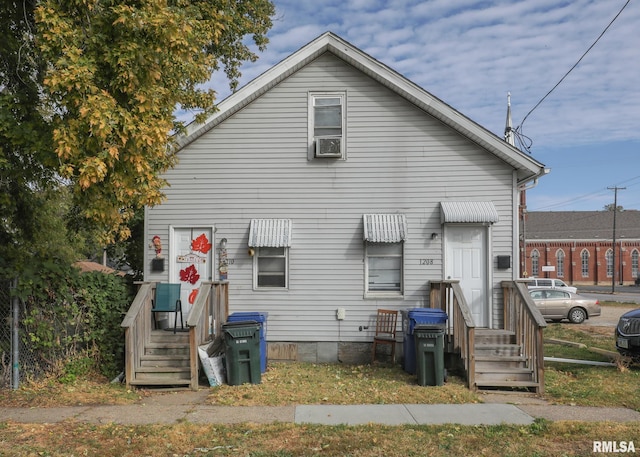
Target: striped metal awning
x: 468, y: 212
x: 273, y: 233
x: 385, y: 228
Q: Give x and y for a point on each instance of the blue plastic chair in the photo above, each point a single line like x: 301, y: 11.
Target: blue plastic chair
x: 167, y: 301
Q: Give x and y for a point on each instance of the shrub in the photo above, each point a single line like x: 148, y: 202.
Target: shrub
x: 69, y: 316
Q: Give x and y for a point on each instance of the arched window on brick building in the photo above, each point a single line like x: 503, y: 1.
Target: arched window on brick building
x: 535, y: 262
x: 634, y: 263
x: 560, y: 263
x: 609, y: 257
x: 584, y: 257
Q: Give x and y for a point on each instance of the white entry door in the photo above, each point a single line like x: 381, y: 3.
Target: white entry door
x: 466, y: 261
x: 191, y: 261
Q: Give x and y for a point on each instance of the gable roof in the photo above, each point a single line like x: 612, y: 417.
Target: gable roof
x: 527, y: 167
x: 582, y: 225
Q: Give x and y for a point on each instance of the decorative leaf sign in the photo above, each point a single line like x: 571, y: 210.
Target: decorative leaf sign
x: 189, y: 274
x: 193, y: 295
x: 201, y: 244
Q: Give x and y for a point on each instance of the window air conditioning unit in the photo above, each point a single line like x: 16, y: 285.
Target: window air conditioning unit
x: 328, y: 146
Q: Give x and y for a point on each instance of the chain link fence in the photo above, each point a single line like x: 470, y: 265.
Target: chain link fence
x: 28, y: 365
x: 5, y: 334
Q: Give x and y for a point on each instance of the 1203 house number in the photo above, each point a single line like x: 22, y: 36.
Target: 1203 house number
x: 427, y: 262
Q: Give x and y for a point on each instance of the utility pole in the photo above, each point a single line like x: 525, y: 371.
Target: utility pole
x: 615, y: 190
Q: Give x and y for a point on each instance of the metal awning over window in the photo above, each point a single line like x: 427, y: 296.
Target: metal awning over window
x: 385, y: 228
x: 468, y: 212
x: 273, y: 233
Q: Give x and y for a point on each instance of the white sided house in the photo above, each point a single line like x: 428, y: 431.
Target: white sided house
x: 330, y: 187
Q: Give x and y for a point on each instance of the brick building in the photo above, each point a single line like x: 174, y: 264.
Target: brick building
x: 577, y: 246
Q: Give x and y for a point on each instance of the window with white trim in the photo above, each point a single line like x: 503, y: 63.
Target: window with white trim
x: 271, y: 266
x: 634, y: 263
x: 327, y: 125
x: 560, y: 263
x: 269, y: 243
x: 384, y: 268
x: 609, y: 258
x: 584, y: 257
x: 535, y: 262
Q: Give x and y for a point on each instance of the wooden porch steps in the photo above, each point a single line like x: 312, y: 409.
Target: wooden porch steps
x: 499, y: 363
x: 165, y: 360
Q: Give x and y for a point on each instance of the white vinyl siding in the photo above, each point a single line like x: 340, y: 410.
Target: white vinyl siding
x: 255, y: 165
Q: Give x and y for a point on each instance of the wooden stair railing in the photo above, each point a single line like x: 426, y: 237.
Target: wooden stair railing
x: 522, y: 317
x: 460, y: 332
x: 137, y: 329
x: 209, y: 311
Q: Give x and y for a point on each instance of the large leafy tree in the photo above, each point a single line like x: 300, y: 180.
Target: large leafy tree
x: 27, y: 162
x: 98, y: 84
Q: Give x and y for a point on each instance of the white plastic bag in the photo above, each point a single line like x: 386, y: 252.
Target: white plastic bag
x: 212, y: 364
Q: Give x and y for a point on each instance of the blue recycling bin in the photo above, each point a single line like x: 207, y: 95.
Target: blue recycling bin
x: 410, y: 318
x: 260, y: 318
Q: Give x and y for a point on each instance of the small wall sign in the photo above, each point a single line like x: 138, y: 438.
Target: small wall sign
x: 191, y: 258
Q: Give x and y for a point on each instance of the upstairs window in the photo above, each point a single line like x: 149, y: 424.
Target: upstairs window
x: 327, y: 125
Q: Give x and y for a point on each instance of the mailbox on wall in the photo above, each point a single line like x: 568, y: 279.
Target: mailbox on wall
x: 504, y: 262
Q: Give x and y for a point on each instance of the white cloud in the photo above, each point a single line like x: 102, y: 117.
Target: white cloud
x: 470, y: 53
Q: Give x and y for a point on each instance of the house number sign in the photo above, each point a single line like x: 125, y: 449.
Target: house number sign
x: 427, y: 261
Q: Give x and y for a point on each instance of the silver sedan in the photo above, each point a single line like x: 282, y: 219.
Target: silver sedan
x: 557, y: 304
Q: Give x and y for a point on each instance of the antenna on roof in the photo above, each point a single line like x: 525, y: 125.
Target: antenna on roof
x: 509, y: 136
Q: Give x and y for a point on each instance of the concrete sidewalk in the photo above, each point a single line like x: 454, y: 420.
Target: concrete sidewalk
x: 173, y: 407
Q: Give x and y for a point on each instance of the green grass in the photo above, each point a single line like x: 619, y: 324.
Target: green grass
x: 284, y: 440
x: 306, y: 383
x: 298, y: 383
x: 337, y: 384
x: 586, y: 385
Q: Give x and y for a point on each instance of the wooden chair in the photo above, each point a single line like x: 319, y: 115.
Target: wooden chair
x: 167, y: 301
x: 386, y: 322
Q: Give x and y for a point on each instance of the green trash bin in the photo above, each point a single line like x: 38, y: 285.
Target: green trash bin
x: 242, y: 352
x: 429, y: 341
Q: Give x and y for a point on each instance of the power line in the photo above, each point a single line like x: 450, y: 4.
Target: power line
x: 590, y: 195
x: 519, y: 128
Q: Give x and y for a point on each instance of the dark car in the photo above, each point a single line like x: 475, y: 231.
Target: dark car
x: 628, y: 334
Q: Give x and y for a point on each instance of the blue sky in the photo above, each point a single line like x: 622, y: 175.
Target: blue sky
x: 471, y: 53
